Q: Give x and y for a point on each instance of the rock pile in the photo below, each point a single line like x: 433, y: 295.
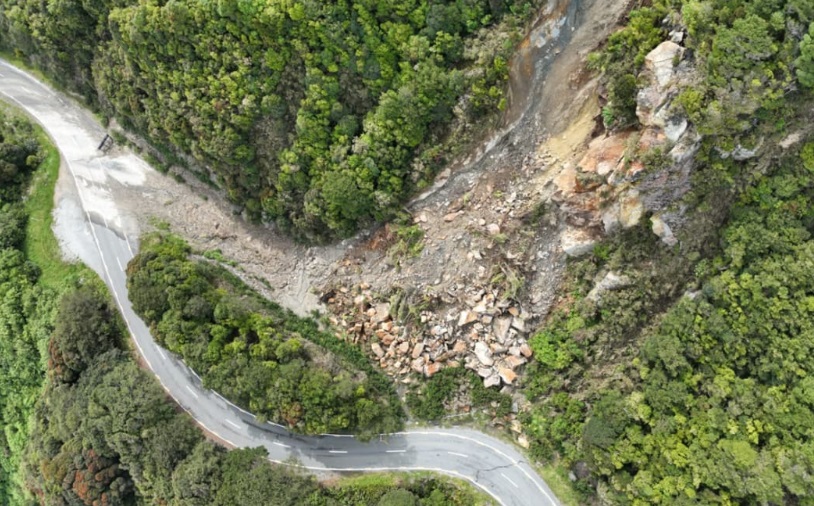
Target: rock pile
x: 483, y: 333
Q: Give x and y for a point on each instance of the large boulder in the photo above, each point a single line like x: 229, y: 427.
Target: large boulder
x: 611, y: 281
x: 576, y: 242
x: 653, y: 100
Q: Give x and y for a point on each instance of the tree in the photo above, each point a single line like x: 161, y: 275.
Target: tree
x: 805, y: 62
x: 86, y: 328
x: 195, y: 481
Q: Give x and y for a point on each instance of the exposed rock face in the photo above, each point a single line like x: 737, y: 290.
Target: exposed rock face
x: 631, y: 210
x: 604, y: 154
x: 741, y: 153
x: 623, y: 177
x: 663, y: 230
x: 577, y: 242
x: 675, y: 128
x: 652, y: 101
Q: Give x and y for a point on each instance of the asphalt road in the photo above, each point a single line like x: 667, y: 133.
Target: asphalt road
x: 492, y: 465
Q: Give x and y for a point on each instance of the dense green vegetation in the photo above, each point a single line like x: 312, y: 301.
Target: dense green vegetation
x: 27, y: 300
x: 693, y: 385
x: 252, y: 351
x: 428, y: 401
x: 724, y: 408
x: 318, y: 116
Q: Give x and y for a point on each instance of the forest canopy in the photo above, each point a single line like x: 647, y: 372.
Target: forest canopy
x: 259, y: 355
x: 318, y: 116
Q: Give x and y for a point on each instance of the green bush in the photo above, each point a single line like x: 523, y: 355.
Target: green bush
x: 428, y: 401
x: 264, y: 358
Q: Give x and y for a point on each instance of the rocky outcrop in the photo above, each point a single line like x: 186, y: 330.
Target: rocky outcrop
x: 622, y: 177
x: 740, y: 152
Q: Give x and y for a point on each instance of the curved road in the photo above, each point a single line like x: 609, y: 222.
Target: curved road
x: 490, y: 464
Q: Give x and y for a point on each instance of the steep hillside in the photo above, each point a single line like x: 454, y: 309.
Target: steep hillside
x: 318, y: 116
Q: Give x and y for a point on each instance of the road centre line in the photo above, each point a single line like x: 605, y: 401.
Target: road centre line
x: 120, y: 263
x: 395, y: 451
x: 30, y: 91
x: 459, y: 455
x: 191, y: 391
x: 161, y: 352
x: 509, y: 480
x: 516, y: 463
x: 280, y: 444
x: 233, y: 424
x: 337, y: 451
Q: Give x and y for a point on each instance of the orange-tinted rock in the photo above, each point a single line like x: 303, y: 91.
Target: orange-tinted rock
x: 604, y: 154
x: 507, y: 375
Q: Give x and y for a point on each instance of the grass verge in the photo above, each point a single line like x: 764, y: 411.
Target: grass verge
x: 41, y: 246
x: 557, y: 479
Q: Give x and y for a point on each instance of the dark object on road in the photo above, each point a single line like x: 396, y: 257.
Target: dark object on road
x: 106, y: 143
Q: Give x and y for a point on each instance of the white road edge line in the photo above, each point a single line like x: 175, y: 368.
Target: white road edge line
x: 30, y: 91
x: 496, y: 450
x: 191, y: 391
x: 459, y: 454
x: 509, y: 480
x: 193, y: 372
x: 233, y: 424
x: 128, y: 244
